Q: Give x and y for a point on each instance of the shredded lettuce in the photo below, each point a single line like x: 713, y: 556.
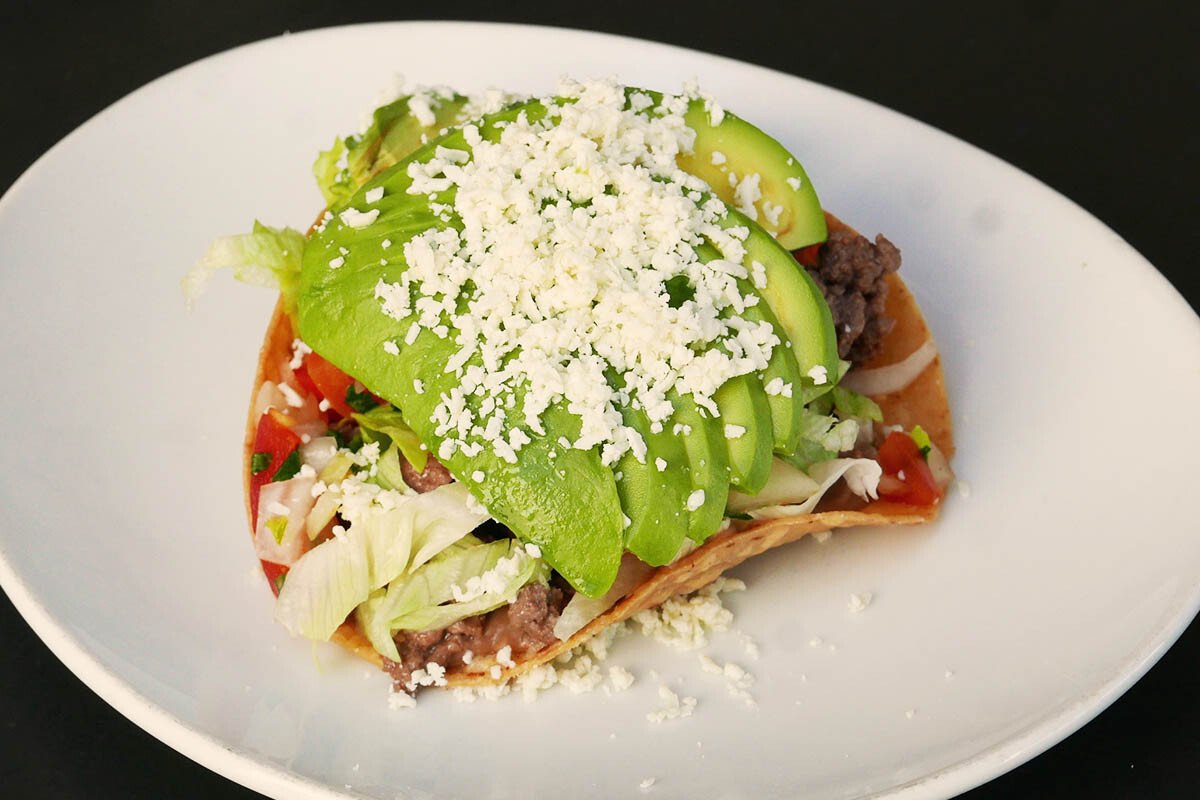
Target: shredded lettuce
x: 862, y: 476
x: 329, y: 581
x: 850, y: 403
x: 823, y: 437
x: 432, y: 597
x: 266, y: 256
x: 786, y: 484
x: 332, y: 179
x: 385, y: 424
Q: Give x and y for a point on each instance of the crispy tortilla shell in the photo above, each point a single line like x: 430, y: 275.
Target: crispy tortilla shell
x: 922, y: 402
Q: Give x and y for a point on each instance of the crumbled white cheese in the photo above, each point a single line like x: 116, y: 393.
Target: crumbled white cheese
x: 684, y: 621
x: 353, y: 218
x: 718, y: 158
x: 299, y: 351
x: 398, y: 700
x: 860, y: 601
x: 695, y: 500
x: 660, y: 464
x: 504, y: 656
x: 619, y: 679
x: 794, y: 183
x: 495, y: 581
x: 776, y: 386
x: 391, y: 348
x: 819, y: 374
x: 646, y: 784
x: 421, y: 104
x: 734, y: 432
x: 292, y: 397
x: 533, y: 550
x: 374, y: 195
x: 746, y: 193
x: 337, y: 262
x: 569, y: 233
x: 671, y: 706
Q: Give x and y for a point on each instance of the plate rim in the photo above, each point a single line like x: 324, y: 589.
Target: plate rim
x: 263, y: 776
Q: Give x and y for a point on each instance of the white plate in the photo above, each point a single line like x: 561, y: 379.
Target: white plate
x: 1035, y: 601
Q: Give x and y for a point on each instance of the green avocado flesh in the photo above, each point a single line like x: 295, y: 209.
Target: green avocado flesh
x: 654, y: 492
x: 582, y: 514
x: 746, y: 150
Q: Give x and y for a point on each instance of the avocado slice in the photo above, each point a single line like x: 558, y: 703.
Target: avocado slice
x: 727, y: 145
x: 743, y: 405
x: 395, y: 132
x: 798, y: 305
x: 654, y: 492
x: 703, y: 439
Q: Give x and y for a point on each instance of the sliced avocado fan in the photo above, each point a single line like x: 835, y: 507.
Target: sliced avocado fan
x: 581, y: 513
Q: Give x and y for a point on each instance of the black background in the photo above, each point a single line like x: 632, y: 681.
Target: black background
x: 1095, y: 104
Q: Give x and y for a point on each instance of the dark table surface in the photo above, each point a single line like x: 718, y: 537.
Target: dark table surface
x: 1094, y: 104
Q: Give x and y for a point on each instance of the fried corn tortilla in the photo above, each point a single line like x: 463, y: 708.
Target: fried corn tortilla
x: 922, y: 402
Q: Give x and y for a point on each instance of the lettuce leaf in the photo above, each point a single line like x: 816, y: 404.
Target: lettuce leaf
x: 268, y: 257
x: 861, y: 475
x: 384, y: 424
x: 426, y: 598
x: 332, y: 179
x: 329, y: 581
x: 850, y: 403
x: 823, y: 437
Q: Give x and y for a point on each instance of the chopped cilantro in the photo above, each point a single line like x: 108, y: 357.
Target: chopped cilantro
x: 259, y: 462
x: 922, y: 439
x: 277, y: 526
x: 289, y: 467
x: 362, y: 402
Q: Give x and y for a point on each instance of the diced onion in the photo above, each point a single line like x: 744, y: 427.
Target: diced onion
x: 940, y: 467
x: 893, y: 377
x: 295, y: 495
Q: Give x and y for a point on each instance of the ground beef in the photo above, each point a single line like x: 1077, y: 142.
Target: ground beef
x: 527, y: 625
x: 435, y: 475
x: 851, y: 273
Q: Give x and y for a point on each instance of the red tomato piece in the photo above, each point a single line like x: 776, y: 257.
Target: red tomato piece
x: 274, y: 573
x: 330, y: 383
x: 808, y: 256
x: 305, y: 381
x: 906, y: 476
x: 276, y: 438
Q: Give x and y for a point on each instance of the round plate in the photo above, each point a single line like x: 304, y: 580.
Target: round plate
x: 1047, y: 588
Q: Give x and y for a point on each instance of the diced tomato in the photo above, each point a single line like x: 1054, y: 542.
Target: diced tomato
x: 329, y: 382
x: 274, y: 573
x: 906, y: 476
x: 303, y: 378
x: 808, y: 256
x: 275, y: 438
